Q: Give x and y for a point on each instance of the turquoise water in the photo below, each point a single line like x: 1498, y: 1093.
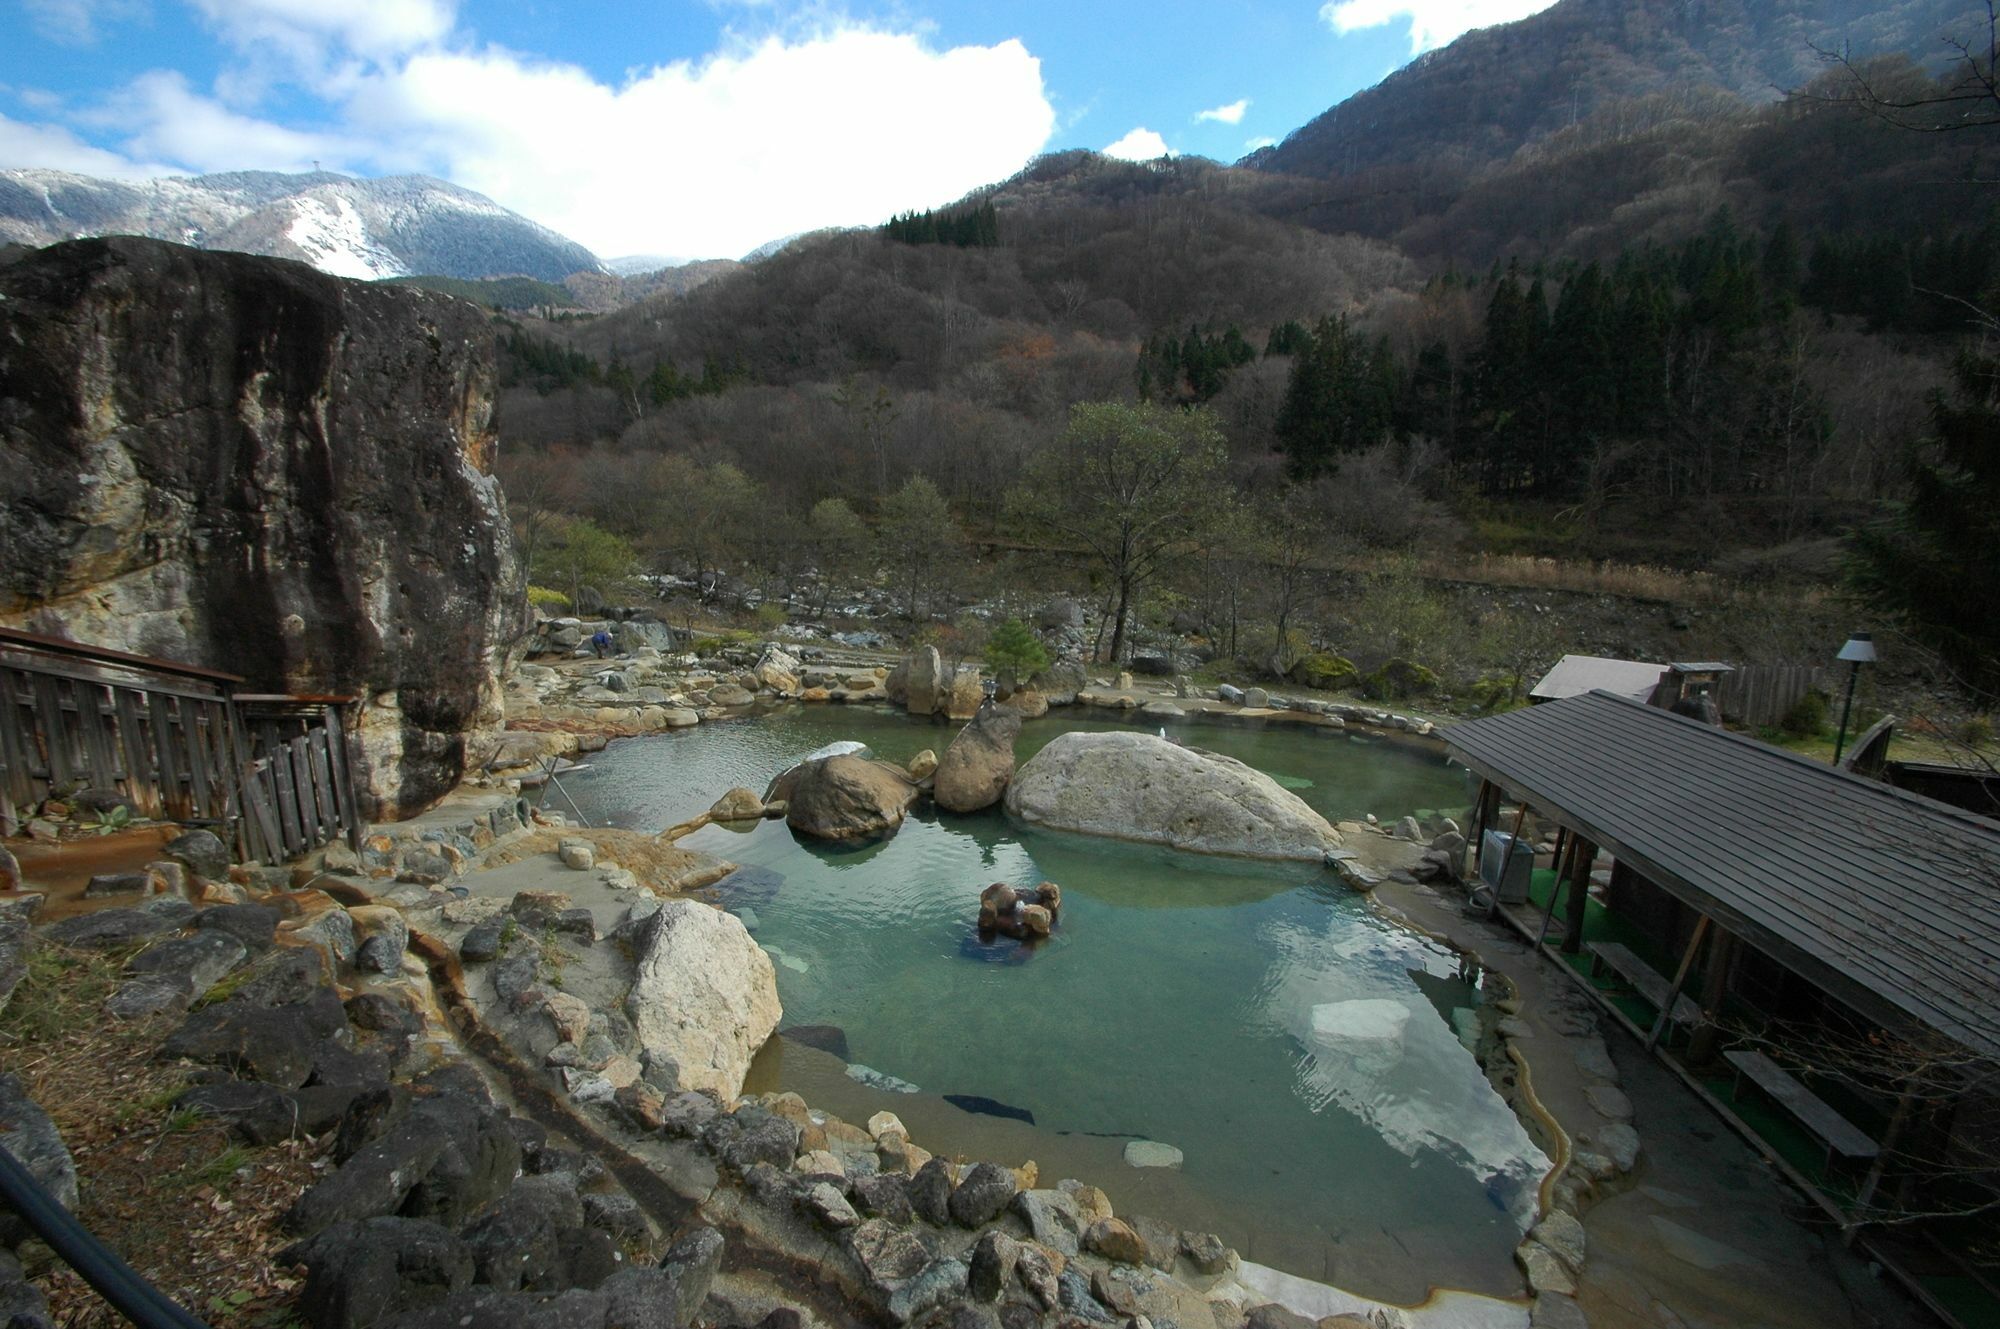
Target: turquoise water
x: 1177, y: 1001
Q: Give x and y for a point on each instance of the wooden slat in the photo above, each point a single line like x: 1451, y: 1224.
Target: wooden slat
x: 142, y: 781
x: 346, y: 776
x: 285, y: 798
x: 59, y: 646
x: 323, y: 795
x: 16, y: 751
x: 299, y: 757
x: 266, y: 845
x: 197, y: 719
x: 95, y: 727
x: 167, y: 746
x: 56, y: 753
x: 81, y: 672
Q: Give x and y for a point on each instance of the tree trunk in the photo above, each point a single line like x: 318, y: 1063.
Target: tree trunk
x: 1118, y: 622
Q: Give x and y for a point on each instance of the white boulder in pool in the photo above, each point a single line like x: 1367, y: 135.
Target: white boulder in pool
x: 845, y: 747
x: 1135, y: 786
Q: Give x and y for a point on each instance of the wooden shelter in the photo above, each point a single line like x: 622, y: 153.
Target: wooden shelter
x: 1770, y: 891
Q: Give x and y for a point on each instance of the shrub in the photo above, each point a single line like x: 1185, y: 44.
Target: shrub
x: 1013, y: 650
x: 1807, y: 718
x: 1496, y: 693
x: 1325, y: 671
x: 1399, y: 680
x: 545, y: 597
x: 1977, y: 731
x: 770, y: 616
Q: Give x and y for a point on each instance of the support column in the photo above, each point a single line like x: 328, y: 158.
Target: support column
x: 1666, y: 1015
x: 1585, y: 855
x: 1703, y: 1044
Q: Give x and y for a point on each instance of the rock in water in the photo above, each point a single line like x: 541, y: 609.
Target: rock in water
x: 926, y: 686
x: 1138, y: 787
x: 844, y: 798
x: 704, y: 995
x: 975, y: 769
x: 165, y: 403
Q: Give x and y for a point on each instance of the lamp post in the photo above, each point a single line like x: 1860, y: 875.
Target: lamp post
x: 1860, y: 650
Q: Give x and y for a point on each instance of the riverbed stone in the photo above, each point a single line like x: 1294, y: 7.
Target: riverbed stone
x: 1136, y: 786
x: 1151, y: 1153
x: 829, y: 1207
x: 703, y: 993
x: 1545, y: 1273
x: 1115, y: 1239
x: 1206, y: 1252
x: 738, y: 804
x: 844, y: 797
x: 1051, y: 1218
x: 27, y: 1133
x: 1609, y: 1101
x: 1562, y: 1234
x: 975, y: 769
x: 982, y: 1195
x: 930, y: 1192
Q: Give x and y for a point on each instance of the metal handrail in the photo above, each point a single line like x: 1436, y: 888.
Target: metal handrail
x: 116, y: 1281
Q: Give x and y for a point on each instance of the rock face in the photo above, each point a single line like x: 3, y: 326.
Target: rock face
x: 975, y: 769
x: 245, y: 464
x: 844, y: 798
x: 704, y: 995
x: 1139, y: 787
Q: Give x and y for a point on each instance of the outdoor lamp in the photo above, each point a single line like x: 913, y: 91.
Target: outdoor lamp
x: 1860, y: 650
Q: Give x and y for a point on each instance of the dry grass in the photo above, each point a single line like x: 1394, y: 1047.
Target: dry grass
x: 184, y: 1204
x: 1552, y: 574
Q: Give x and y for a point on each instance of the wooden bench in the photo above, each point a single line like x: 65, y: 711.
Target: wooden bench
x: 1840, y: 1135
x: 1643, y: 977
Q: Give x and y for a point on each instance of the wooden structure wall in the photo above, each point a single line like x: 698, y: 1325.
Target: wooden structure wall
x: 274, y: 774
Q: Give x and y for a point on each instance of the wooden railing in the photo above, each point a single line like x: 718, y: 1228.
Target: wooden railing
x: 273, y: 775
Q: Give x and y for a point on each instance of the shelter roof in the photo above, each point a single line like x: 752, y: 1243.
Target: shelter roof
x: 1887, y: 900
x: 1578, y: 674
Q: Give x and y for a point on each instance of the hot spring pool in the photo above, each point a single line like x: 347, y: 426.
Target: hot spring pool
x: 1308, y: 1057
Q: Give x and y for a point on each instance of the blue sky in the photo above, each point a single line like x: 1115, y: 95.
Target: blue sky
x: 690, y: 128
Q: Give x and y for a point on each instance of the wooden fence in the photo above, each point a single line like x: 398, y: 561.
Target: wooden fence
x: 1759, y: 695
x: 273, y: 775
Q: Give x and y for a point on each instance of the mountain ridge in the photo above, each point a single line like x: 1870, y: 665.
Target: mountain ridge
x: 391, y: 226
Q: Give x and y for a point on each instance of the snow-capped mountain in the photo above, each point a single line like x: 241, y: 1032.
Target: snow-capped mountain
x: 392, y: 227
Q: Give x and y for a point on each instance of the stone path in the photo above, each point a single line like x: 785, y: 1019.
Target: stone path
x: 1702, y: 1234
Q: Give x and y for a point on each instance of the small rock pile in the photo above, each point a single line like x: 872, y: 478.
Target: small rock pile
x: 1026, y: 912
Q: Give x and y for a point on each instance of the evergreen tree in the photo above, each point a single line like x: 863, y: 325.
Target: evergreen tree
x: 1928, y: 560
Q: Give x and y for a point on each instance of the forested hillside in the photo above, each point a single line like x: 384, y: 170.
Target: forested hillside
x: 1688, y: 325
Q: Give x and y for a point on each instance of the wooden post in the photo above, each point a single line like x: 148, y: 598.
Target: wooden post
x: 1714, y: 990
x: 1555, y: 891
x: 1481, y: 811
x: 1897, y: 1120
x: 1579, y: 895
x: 1665, y: 1017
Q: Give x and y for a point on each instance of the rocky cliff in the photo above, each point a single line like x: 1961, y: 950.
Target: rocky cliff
x: 246, y: 464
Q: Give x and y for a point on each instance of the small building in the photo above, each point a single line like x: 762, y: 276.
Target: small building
x: 1575, y: 675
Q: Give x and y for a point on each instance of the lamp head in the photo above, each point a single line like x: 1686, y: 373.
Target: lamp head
x: 1860, y: 649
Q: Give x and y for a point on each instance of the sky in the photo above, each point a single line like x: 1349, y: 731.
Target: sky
x: 685, y: 128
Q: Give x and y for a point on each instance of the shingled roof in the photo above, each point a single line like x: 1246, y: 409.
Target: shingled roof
x: 1887, y: 900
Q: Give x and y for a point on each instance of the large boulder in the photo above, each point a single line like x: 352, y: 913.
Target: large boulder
x: 704, y: 995
x: 926, y: 686
x: 974, y: 770
x: 844, y: 797
x: 159, y: 405
x: 1135, y: 786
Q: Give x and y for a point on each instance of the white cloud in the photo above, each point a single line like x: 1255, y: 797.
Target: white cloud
x: 307, y: 29
x: 1141, y: 145
x: 1263, y: 141
x: 48, y: 147
x: 842, y: 128
x: 80, y: 22
x: 170, y: 121
x: 1432, y: 22
x: 1231, y: 114
x: 844, y: 125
